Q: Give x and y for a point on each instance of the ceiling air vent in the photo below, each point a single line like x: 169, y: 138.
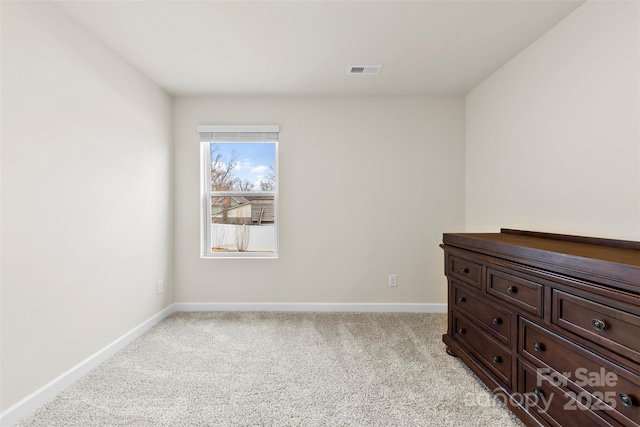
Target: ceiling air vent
x: 364, y: 69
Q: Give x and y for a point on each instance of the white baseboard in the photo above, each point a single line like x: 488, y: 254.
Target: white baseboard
x: 29, y: 404
x: 323, y: 307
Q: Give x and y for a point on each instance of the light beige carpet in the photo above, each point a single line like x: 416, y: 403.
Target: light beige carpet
x: 280, y: 369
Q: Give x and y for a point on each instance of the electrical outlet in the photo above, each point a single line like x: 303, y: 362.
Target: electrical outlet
x: 160, y: 286
x: 393, y: 280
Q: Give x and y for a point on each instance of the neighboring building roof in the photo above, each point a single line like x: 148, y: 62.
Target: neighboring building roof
x: 262, y: 207
x: 235, y: 200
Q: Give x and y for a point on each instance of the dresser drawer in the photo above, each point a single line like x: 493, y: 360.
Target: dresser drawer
x: 615, y: 329
x: 515, y: 290
x: 610, y: 388
x: 557, y: 407
x: 465, y: 270
x: 495, y: 319
x: 490, y: 353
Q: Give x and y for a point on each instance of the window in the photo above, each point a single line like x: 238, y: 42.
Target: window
x: 239, y: 191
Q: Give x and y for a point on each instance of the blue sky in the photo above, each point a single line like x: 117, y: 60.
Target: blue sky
x: 254, y: 160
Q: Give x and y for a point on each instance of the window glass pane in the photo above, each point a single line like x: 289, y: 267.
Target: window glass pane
x: 243, y: 166
x: 242, y: 198
x: 243, y: 224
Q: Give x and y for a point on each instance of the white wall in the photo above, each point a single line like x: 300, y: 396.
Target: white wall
x: 367, y: 187
x: 552, y: 138
x: 86, y: 214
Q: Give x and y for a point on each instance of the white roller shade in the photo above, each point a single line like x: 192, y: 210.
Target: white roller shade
x: 212, y: 133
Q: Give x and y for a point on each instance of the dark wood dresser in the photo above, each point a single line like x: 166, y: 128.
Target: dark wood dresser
x: 550, y: 323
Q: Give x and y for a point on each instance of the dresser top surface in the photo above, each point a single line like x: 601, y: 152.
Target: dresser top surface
x: 621, y: 255
x: 583, y: 257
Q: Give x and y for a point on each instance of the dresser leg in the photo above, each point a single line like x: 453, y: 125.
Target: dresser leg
x: 450, y: 352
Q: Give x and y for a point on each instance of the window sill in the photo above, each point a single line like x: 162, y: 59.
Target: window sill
x: 237, y: 255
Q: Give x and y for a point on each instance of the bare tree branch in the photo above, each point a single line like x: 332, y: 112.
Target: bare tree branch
x: 222, y: 177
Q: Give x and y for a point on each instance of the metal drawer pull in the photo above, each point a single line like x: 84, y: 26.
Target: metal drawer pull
x: 625, y: 399
x: 512, y: 289
x: 497, y: 359
x: 496, y: 321
x: 539, y: 393
x: 598, y: 324
x: 538, y: 347
x: 464, y: 270
x: 462, y: 299
x: 462, y: 331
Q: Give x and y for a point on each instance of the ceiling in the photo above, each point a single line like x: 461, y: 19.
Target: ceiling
x: 304, y: 47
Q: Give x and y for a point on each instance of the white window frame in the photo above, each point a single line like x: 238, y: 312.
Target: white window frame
x: 206, y: 193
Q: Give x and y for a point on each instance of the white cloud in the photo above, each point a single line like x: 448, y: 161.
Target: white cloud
x: 260, y: 169
x: 246, y: 164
